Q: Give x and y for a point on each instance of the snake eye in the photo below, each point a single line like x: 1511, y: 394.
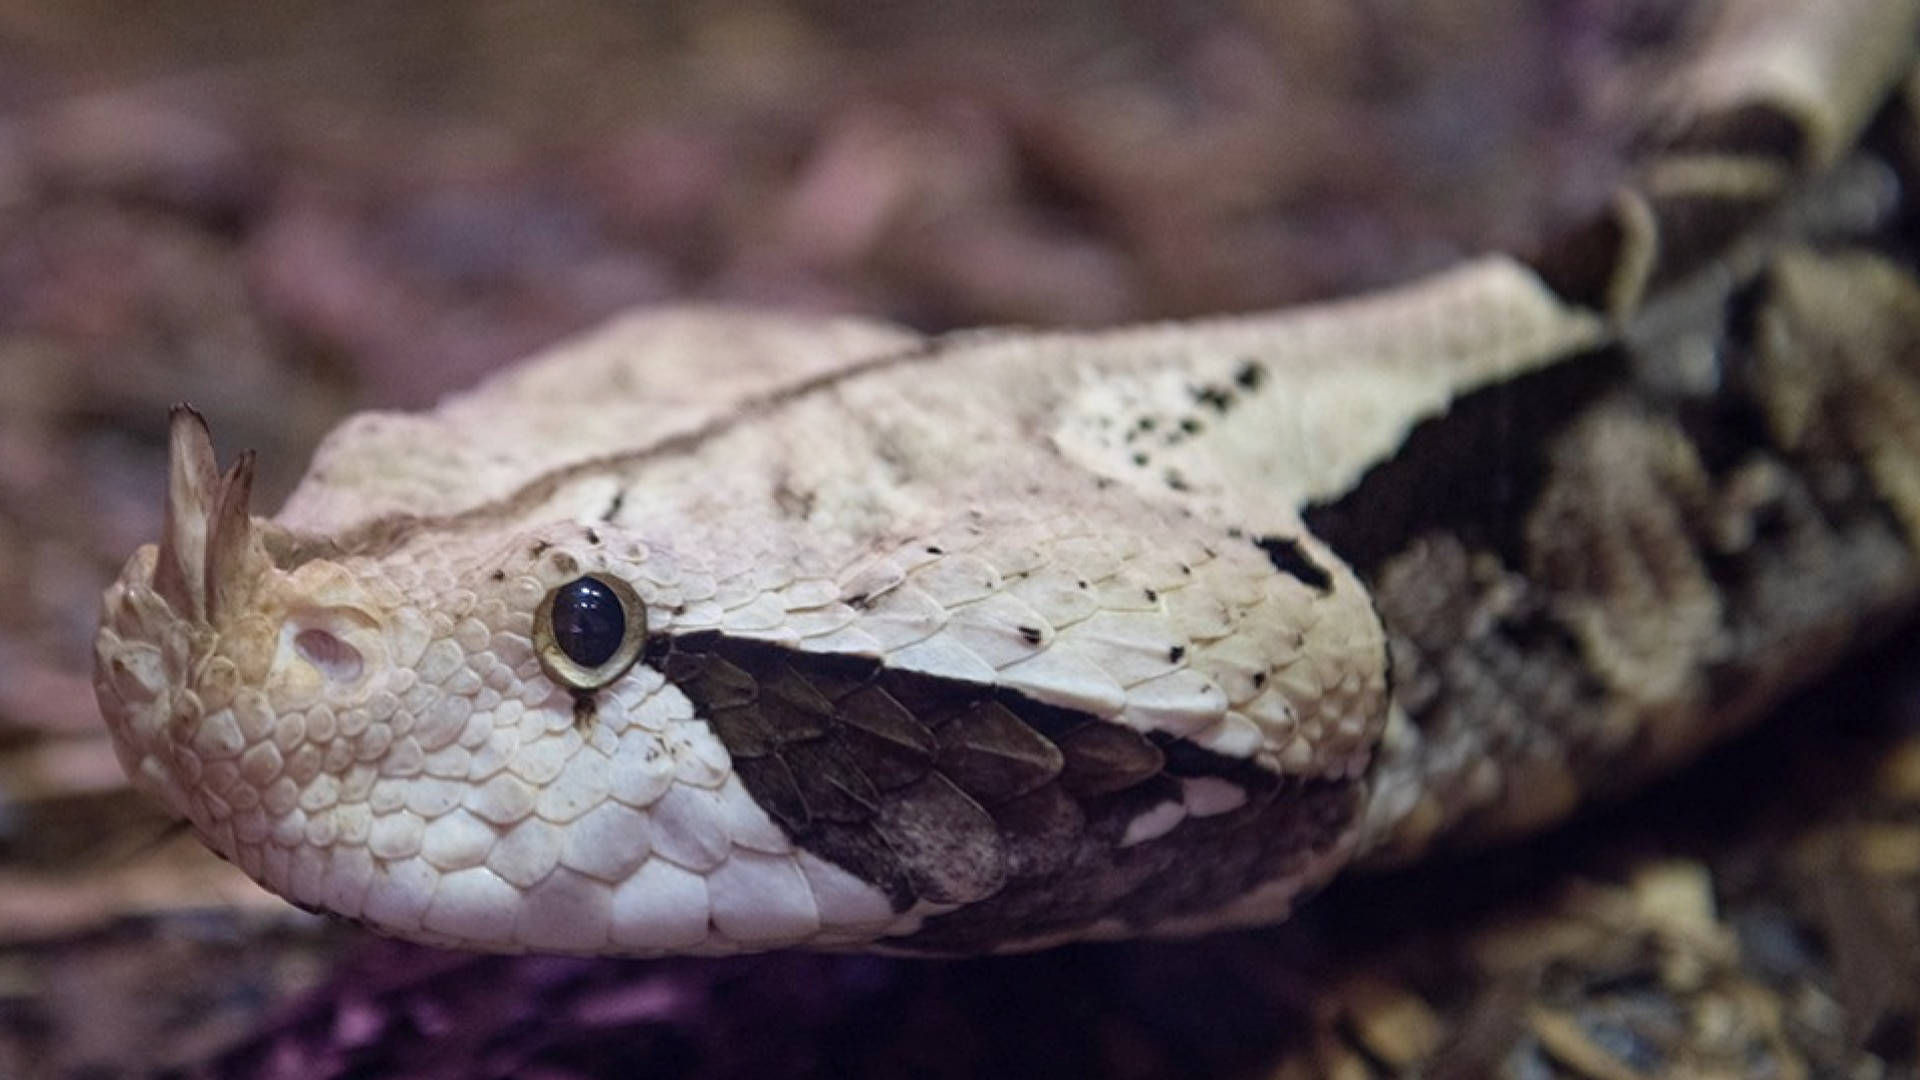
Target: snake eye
x: 589, y: 631
x: 588, y: 622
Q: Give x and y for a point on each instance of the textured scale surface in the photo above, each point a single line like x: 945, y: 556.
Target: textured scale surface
x: 1006, y: 638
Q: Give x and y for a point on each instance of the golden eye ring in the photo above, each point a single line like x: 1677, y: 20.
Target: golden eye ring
x: 588, y: 632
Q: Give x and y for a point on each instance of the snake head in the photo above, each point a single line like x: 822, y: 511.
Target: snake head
x: 621, y: 706
x: 459, y: 749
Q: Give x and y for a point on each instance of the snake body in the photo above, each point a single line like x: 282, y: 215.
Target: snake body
x: 721, y: 630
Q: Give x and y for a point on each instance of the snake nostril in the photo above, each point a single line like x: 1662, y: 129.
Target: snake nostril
x: 336, y: 659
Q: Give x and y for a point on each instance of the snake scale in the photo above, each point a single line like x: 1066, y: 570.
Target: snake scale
x: 722, y: 630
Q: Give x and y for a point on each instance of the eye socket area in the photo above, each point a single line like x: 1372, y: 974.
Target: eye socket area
x: 589, y: 631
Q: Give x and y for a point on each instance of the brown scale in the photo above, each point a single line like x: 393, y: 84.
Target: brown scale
x: 959, y: 793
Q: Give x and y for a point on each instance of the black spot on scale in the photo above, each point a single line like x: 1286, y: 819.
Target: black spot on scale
x: 1217, y: 398
x: 1176, y: 653
x: 613, y: 506
x: 1289, y: 558
x: 1251, y: 374
x: 498, y: 575
x: 593, y: 537
x: 792, y: 502
x: 585, y: 711
x: 1031, y: 634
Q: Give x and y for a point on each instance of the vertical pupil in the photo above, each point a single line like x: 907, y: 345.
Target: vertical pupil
x: 588, y: 622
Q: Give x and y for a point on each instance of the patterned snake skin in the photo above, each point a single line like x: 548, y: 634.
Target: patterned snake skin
x: 721, y: 630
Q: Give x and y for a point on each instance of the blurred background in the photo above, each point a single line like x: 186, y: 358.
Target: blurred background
x: 284, y: 213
